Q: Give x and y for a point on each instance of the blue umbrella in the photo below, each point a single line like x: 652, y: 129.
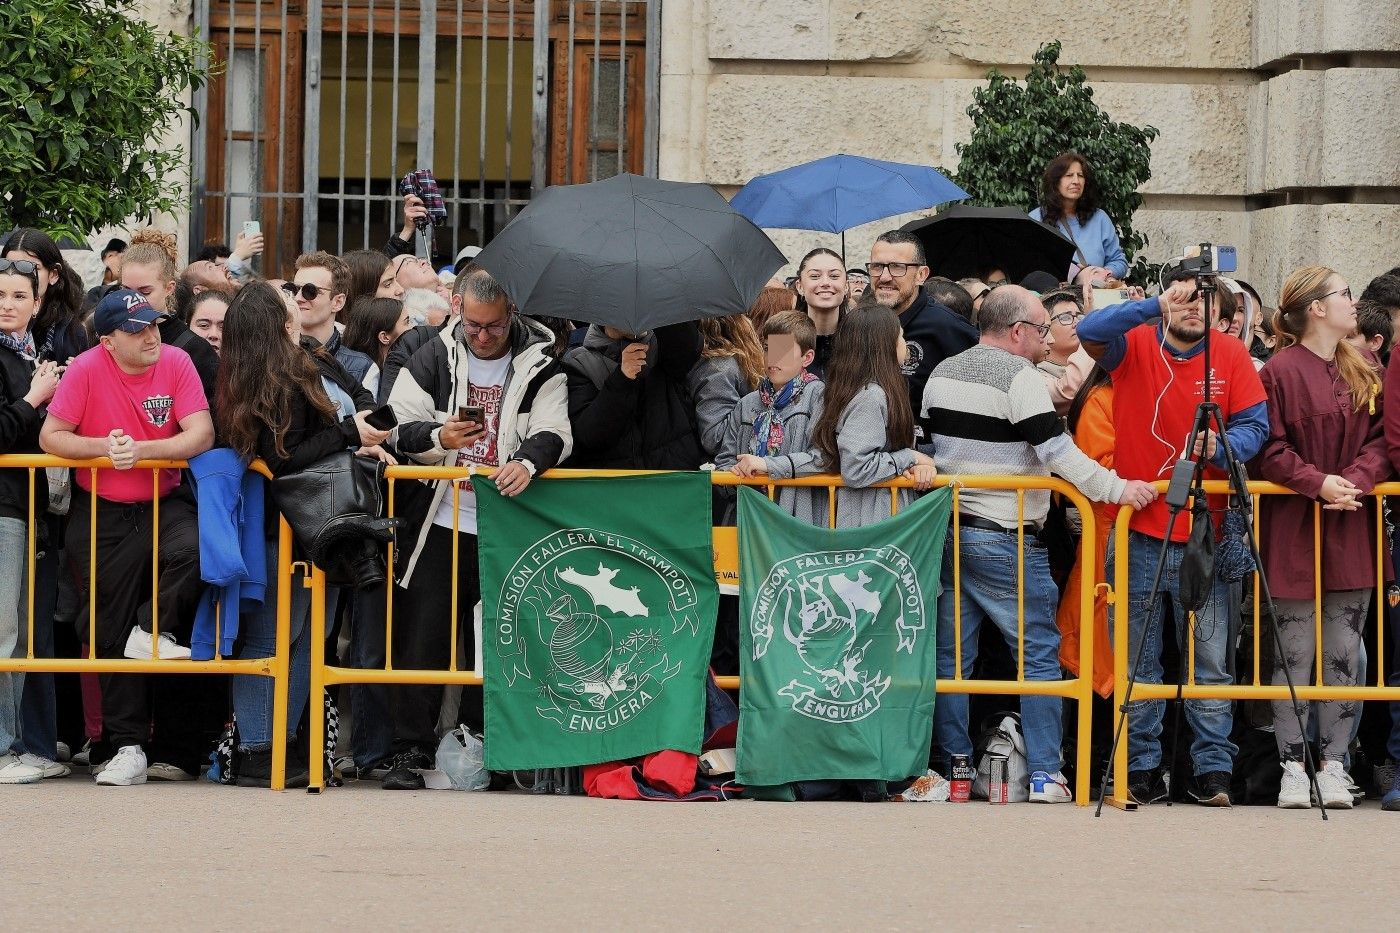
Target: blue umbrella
x: 840, y: 192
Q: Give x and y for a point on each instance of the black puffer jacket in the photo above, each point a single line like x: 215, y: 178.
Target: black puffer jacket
x: 409, y: 343
x: 19, y: 434
x: 647, y: 423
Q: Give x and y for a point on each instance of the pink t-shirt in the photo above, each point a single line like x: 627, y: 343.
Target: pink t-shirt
x: 97, y: 396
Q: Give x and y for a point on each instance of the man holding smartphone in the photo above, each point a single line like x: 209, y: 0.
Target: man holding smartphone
x: 486, y: 391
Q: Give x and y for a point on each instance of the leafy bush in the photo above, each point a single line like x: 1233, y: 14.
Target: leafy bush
x: 87, y: 92
x: 1018, y: 128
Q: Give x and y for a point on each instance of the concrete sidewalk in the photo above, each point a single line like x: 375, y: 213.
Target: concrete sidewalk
x: 200, y: 856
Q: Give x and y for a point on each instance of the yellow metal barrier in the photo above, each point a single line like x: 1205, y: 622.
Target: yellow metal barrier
x: 274, y: 667
x: 1079, y: 688
x: 1239, y: 691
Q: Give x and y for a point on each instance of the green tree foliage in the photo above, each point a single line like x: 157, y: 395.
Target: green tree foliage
x: 1017, y: 128
x: 87, y: 92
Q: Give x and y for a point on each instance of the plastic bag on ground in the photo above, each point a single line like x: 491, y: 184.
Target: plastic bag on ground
x: 460, y: 755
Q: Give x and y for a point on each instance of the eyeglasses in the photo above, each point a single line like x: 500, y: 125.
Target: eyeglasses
x: 896, y: 269
x: 308, y: 291
x: 1067, y: 317
x: 494, y: 330
x: 1344, y: 292
x: 22, y: 266
x: 1044, y: 329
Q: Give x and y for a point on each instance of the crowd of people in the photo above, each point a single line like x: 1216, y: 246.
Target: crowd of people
x: 872, y: 373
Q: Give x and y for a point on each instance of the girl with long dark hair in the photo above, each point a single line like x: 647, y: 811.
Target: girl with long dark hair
x: 370, y: 276
x: 866, y: 429
x: 1326, y: 443
x: 26, y: 385
x: 371, y: 326
x: 58, y: 327
x: 292, y: 408
x: 1069, y: 202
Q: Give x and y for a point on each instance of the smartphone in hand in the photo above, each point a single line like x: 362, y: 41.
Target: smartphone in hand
x: 474, y: 413
x: 382, y: 418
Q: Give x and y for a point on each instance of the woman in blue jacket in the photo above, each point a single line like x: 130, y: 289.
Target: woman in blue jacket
x: 1069, y: 202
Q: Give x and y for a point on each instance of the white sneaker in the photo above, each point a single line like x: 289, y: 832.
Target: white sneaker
x: 138, y: 646
x: 127, y: 768
x: 1294, y: 792
x: 51, y: 769
x: 14, y: 771
x: 1050, y: 788
x: 63, y: 751
x: 1333, y: 782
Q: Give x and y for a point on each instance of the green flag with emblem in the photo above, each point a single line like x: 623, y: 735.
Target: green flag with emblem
x: 598, y: 599
x: 838, y: 642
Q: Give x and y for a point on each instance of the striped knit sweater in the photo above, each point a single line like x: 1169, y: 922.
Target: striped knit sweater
x: 991, y: 415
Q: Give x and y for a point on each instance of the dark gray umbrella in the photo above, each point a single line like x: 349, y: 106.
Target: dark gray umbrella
x: 631, y: 252
x: 964, y: 242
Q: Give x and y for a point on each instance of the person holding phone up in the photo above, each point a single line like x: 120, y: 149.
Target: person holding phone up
x: 628, y: 398
x: 485, y: 391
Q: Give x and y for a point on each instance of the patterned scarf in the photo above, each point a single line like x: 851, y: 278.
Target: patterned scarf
x: 768, y: 426
x: 24, y: 346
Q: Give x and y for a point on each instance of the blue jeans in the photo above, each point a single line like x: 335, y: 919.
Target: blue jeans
x: 989, y: 592
x: 371, y: 730
x: 14, y: 628
x: 39, y: 708
x: 1210, y: 720
x: 252, y: 693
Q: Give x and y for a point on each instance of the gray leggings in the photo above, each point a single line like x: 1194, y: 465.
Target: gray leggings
x: 1343, y: 621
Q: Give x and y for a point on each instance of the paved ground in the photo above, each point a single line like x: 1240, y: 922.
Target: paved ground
x: 196, y: 856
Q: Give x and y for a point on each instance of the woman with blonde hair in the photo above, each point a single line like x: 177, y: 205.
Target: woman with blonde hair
x: 148, y: 267
x: 1326, y: 443
x: 731, y: 366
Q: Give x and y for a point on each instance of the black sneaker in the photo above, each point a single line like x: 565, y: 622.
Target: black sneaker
x: 1211, y: 789
x: 1146, y: 787
x: 255, y: 768
x: 403, y: 770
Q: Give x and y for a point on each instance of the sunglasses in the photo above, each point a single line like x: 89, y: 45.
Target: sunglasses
x: 308, y: 291
x: 22, y: 266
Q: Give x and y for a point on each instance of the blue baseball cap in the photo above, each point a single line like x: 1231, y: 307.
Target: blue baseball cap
x: 124, y: 309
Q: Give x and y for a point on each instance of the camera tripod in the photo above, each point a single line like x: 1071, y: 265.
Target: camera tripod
x: 1188, y: 485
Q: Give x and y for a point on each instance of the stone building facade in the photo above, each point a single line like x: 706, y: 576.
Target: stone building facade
x: 1279, y: 119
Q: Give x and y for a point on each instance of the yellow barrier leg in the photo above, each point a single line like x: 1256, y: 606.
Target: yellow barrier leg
x: 1088, y: 623
x: 318, y: 682
x: 1121, y: 601
x: 281, y: 661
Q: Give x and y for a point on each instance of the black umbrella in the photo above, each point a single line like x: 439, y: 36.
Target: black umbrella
x: 964, y: 242
x: 632, y: 252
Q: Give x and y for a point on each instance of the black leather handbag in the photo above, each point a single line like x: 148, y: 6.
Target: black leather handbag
x: 336, y: 509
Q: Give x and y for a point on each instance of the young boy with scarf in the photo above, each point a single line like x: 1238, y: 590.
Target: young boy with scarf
x: 769, y: 433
